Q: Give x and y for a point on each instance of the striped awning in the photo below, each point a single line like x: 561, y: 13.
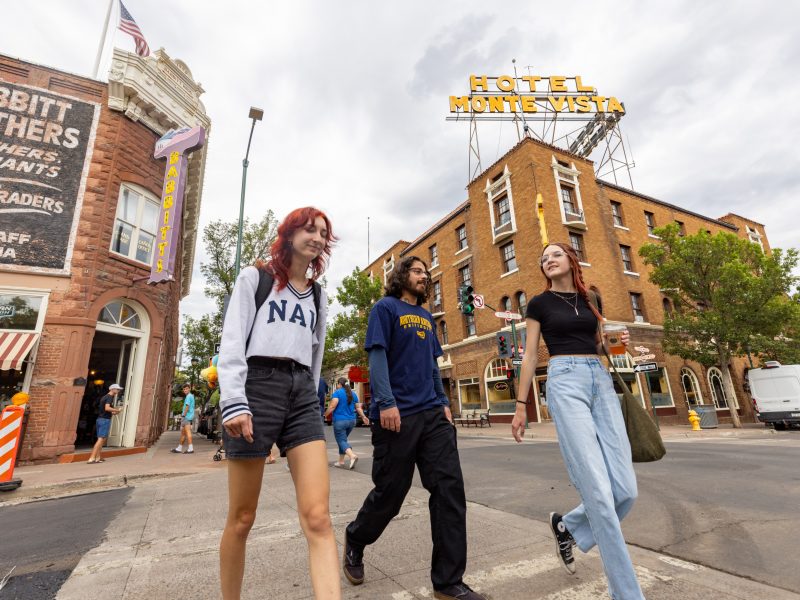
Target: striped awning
x: 14, y: 347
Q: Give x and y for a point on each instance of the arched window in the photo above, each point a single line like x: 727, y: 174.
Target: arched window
x: 505, y: 304
x: 718, y: 389
x: 522, y: 302
x: 691, y: 387
x: 667, y: 306
x: 498, y: 389
x: 120, y: 314
x: 443, y: 332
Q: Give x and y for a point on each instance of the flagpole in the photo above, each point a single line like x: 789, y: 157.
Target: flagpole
x: 102, y: 40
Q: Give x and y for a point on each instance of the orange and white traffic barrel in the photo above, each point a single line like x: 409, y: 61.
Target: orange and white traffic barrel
x: 10, y: 429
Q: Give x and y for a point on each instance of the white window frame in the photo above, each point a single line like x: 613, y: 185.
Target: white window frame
x: 665, y: 375
x: 492, y: 374
x: 443, y: 332
x: 648, y: 224
x: 458, y: 238
x: 637, y: 318
x: 465, y: 382
x: 30, y: 360
x: 581, y: 260
x: 494, y: 190
x: 388, y: 267
x: 695, y: 384
x: 569, y: 176
x: 434, y: 251
x: 137, y: 226
x: 617, y: 215
x: 717, y: 373
x: 506, y: 269
x: 754, y: 236
x: 437, y: 306
x: 467, y: 319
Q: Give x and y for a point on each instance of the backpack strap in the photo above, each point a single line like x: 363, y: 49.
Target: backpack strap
x: 265, y: 281
x: 317, y: 296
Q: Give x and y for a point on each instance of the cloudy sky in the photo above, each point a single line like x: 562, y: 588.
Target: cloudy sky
x: 355, y: 95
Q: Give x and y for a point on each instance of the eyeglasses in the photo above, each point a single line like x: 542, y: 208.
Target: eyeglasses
x: 418, y: 272
x: 555, y: 255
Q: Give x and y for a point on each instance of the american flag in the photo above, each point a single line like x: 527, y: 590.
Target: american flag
x: 129, y: 26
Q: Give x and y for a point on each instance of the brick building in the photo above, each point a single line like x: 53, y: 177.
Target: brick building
x: 493, y: 241
x: 80, y: 215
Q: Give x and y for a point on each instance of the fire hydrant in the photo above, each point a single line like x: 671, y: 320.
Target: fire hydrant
x: 694, y: 420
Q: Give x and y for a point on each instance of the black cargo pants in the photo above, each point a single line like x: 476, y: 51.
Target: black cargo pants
x: 427, y: 440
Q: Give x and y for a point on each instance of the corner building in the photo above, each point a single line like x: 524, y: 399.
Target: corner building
x: 493, y: 242
x: 80, y: 203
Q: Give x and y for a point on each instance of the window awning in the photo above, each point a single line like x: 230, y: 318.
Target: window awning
x: 14, y: 347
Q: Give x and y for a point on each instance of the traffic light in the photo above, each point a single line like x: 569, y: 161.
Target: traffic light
x: 467, y: 299
x: 502, y: 345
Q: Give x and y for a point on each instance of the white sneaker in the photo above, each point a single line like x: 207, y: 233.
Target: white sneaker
x: 353, y: 462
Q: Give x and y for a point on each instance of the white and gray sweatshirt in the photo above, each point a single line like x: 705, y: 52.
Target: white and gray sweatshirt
x: 286, y: 326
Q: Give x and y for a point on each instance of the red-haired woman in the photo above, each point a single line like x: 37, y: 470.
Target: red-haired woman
x: 269, y: 365
x: 588, y: 418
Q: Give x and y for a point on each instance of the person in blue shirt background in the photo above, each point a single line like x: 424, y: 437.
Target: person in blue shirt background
x: 344, y: 405
x: 407, y: 390
x: 186, y: 422
x: 322, y: 392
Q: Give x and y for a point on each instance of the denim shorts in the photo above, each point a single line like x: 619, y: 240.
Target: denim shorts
x: 185, y: 422
x: 285, y: 407
x: 103, y: 426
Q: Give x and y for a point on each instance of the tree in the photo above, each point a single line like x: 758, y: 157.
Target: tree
x: 200, y: 336
x: 727, y: 293
x: 784, y: 347
x: 344, y: 344
x: 219, y: 239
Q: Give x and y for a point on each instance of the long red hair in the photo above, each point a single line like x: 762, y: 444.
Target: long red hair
x: 577, y: 275
x: 281, y: 249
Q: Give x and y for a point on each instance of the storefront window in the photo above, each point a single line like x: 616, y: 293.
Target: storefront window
x: 498, y: 388
x: 624, y: 366
x: 469, y: 394
x: 19, y: 312
x: 11, y: 382
x: 21, y: 318
x: 659, y: 388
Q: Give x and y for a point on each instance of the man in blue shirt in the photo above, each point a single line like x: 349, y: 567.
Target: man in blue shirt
x: 411, y: 425
x: 186, y: 422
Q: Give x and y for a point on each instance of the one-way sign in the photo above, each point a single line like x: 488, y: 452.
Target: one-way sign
x: 642, y: 367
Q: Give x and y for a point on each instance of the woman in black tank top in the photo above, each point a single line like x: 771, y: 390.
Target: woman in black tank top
x: 588, y: 419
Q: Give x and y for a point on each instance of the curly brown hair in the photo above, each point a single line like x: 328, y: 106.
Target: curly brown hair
x: 399, y: 279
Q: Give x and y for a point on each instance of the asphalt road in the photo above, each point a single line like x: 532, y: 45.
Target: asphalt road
x: 729, y: 504
x: 45, y: 540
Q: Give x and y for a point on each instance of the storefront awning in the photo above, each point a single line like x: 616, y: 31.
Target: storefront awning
x: 14, y: 347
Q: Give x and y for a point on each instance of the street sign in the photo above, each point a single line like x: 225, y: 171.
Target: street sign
x: 517, y: 362
x: 643, y: 367
x: 643, y: 358
x: 478, y: 301
x: 216, y: 347
x: 507, y: 315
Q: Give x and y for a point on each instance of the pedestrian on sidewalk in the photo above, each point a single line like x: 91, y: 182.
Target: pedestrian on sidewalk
x: 187, y: 419
x: 588, y: 418
x: 322, y: 394
x: 269, y: 365
x: 103, y: 423
x: 343, y: 406
x: 411, y: 425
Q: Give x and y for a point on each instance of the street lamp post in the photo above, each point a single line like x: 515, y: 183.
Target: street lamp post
x: 256, y: 114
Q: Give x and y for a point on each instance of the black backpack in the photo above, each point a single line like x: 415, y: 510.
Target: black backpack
x: 265, y: 282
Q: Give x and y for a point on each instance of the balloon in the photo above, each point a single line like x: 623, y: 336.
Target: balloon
x: 212, y: 376
x: 20, y: 398
x: 204, y: 373
x: 214, y: 360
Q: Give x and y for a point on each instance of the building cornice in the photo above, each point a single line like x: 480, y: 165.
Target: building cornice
x: 160, y: 93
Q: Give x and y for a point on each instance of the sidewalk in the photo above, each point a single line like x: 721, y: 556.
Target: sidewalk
x: 164, y: 544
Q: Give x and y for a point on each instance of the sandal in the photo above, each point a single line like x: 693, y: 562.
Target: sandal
x: 90, y: 462
x: 271, y: 460
x: 100, y: 460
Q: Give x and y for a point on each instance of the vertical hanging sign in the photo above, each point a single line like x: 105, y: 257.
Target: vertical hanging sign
x: 175, y: 146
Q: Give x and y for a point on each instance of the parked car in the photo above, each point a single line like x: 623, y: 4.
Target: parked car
x: 776, y: 393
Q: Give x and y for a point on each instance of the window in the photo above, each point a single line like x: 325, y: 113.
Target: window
x: 509, y: 257
x: 465, y: 275
x: 505, y: 304
x: 19, y: 312
x: 522, y: 302
x: 691, y: 387
x: 567, y: 199
x: 388, y: 267
x: 636, y: 305
x: 120, y: 314
x: 135, y: 225
x: 436, y: 301
x: 616, y: 214
x: 754, y: 236
x: 502, y: 212
x: 498, y: 390
x: 469, y: 325
x: 627, y: 262
x: 667, y: 306
x: 469, y: 394
x: 717, y: 388
x: 434, y: 256
x: 443, y: 333
x: 576, y: 241
x: 461, y: 237
x: 650, y: 219
x: 681, y: 228
x: 660, y: 394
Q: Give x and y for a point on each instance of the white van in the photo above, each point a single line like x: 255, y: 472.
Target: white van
x: 776, y: 393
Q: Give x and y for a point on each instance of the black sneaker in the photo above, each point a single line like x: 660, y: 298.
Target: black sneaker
x: 460, y: 591
x: 564, y: 542
x: 353, y: 563
x: 176, y: 451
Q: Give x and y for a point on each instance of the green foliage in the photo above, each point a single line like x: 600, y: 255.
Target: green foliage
x: 344, y: 344
x: 219, y: 240
x: 200, y: 336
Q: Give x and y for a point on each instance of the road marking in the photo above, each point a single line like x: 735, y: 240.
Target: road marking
x: 598, y: 588
x: 677, y: 562
x: 404, y: 595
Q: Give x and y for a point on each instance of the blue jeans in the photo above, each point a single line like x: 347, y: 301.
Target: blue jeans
x: 597, y: 453
x: 342, y: 429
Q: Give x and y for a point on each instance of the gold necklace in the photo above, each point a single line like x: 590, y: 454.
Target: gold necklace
x: 573, y: 306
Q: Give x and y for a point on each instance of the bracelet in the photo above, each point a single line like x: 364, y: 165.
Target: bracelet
x: 521, y: 402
